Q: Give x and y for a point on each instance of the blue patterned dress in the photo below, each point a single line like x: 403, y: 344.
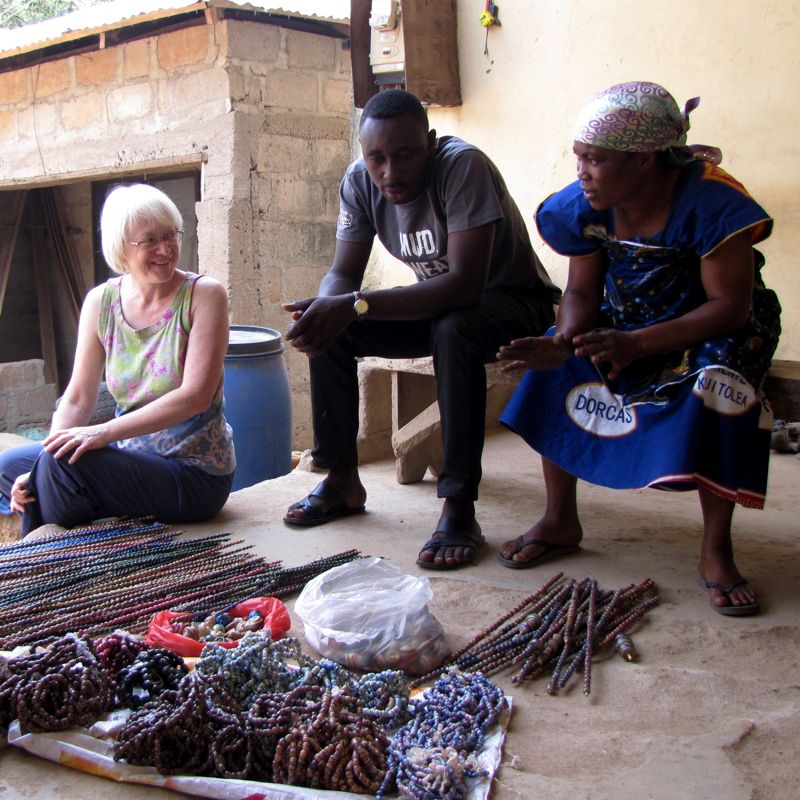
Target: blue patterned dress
x: 674, y: 420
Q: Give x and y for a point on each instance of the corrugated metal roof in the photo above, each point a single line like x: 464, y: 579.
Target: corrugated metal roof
x: 107, y: 16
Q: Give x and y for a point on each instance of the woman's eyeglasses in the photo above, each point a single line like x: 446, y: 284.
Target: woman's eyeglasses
x: 151, y: 242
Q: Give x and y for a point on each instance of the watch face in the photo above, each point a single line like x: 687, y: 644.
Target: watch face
x: 361, y: 306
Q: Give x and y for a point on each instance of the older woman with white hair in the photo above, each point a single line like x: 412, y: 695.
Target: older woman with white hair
x: 160, y: 334
x: 652, y: 375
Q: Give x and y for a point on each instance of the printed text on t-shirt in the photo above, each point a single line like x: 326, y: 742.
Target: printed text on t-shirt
x: 417, y: 244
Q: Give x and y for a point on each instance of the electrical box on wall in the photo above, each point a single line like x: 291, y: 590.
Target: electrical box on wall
x: 387, y: 56
x: 408, y: 44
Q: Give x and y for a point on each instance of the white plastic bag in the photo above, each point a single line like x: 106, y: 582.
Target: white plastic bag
x: 368, y: 615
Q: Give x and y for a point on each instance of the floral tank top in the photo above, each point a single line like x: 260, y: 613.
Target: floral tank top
x: 144, y: 365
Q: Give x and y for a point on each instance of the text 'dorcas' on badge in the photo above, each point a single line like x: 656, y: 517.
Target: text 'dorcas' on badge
x: 594, y: 409
x: 724, y: 391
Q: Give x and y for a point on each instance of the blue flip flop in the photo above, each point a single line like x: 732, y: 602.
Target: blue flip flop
x: 731, y: 610
x: 549, y: 550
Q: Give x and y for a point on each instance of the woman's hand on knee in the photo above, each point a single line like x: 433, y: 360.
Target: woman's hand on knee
x: 21, y: 493
x: 74, y: 442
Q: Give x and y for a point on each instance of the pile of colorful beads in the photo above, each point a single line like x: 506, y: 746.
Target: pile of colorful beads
x: 432, y: 756
x: 259, y: 666
x: 260, y: 711
x: 217, y: 627
x: 247, y: 712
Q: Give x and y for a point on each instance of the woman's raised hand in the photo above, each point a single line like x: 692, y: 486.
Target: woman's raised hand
x: 535, y: 352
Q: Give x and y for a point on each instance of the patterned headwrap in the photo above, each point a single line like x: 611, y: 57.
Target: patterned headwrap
x: 640, y: 117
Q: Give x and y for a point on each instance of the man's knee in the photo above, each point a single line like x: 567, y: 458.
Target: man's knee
x: 456, y: 325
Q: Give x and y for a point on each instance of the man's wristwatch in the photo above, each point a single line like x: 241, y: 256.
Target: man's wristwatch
x: 360, y: 306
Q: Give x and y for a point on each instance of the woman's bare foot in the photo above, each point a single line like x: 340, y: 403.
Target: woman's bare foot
x: 729, y: 593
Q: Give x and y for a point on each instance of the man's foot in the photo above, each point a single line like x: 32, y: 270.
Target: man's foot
x: 452, y: 545
x: 456, y: 538
x: 542, y: 542
x: 323, y: 504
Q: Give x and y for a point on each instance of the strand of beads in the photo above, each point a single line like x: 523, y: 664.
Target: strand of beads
x: 432, y: 756
x: 385, y: 696
x: 117, y: 650
x: 496, y: 643
x: 559, y: 629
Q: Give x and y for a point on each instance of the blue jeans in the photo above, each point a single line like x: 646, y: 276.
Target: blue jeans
x: 109, y: 482
x: 461, y: 342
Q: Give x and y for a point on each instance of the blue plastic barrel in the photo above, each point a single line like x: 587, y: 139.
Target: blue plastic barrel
x: 257, y: 404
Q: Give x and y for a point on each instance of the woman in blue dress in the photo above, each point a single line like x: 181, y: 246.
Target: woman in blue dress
x: 652, y: 375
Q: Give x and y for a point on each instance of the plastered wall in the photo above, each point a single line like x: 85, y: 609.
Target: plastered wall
x: 548, y: 58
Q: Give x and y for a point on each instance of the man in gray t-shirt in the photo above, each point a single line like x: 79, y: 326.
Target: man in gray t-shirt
x: 442, y: 207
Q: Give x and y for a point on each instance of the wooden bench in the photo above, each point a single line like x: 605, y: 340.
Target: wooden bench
x: 416, y: 434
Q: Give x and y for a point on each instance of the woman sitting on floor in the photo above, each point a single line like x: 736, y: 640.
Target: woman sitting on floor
x: 161, y: 335
x: 665, y: 333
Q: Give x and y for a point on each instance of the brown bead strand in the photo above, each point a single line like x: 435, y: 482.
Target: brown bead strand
x: 170, y: 733
x: 569, y: 632
x: 580, y: 656
x: 590, y: 634
x: 628, y: 620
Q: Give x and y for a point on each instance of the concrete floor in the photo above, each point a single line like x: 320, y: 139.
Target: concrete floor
x: 712, y: 708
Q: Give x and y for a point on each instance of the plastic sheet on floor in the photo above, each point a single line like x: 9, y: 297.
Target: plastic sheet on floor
x: 92, y: 751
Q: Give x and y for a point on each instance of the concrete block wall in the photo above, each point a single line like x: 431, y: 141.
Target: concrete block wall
x: 293, y: 101
x: 262, y: 111
x: 123, y: 107
x: 25, y: 398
